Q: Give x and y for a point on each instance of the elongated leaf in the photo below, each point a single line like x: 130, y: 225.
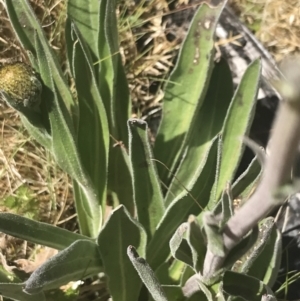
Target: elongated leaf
x: 173, y: 292
x: 179, y: 210
x: 37, y: 232
x: 79, y: 260
x: 118, y: 233
x: 197, y: 296
x: 147, y: 194
x: 202, y: 133
x: 243, y: 186
x: 112, y: 79
x: 175, y: 271
x: 85, y: 14
x: 14, y: 291
x: 241, y: 249
x: 249, y: 288
x: 32, y: 37
x: 273, y: 258
x: 119, y: 177
x: 206, y: 290
x: 264, y: 261
x: 179, y: 247
x: 197, y: 243
x: 188, y: 272
x: 213, y: 235
x: 147, y: 275
x: 93, y: 130
x: 39, y: 134
x: 32, y: 120
x: 64, y: 147
x: 236, y: 126
x: 247, y: 261
x: 115, y: 94
x: 162, y: 273
x: 186, y: 88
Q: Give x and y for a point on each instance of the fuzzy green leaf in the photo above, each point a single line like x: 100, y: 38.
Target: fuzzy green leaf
x: 147, y: 193
x: 147, y: 275
x: 79, y: 260
x: 173, y: 292
x: 14, y: 291
x: 264, y: 261
x: 115, y: 95
x: 85, y: 14
x: 120, y: 178
x: 241, y: 249
x: 179, y: 210
x: 118, y: 233
x: 213, y: 235
x: 197, y: 243
x: 93, y: 130
x: 186, y: 88
x: 175, y: 271
x: 244, y: 286
x: 37, y: 232
x: 179, y: 247
x: 207, y: 124
x: 236, y: 126
x: 112, y: 79
x: 64, y: 147
x: 244, y: 186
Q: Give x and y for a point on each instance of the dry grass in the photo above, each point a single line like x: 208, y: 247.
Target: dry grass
x: 147, y: 53
x: 250, y: 11
x: 280, y: 31
x: 275, y: 22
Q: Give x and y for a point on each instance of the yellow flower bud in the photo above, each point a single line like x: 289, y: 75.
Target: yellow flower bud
x: 21, y: 84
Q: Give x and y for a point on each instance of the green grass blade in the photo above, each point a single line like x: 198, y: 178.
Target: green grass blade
x: 207, y: 124
x: 37, y: 232
x: 118, y: 233
x: 147, y: 193
x: 93, y: 130
x: 236, y: 126
x: 81, y: 259
x: 186, y: 88
x: 64, y: 147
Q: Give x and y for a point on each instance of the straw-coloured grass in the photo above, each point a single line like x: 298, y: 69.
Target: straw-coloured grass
x: 280, y: 31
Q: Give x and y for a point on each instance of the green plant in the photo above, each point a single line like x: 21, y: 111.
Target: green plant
x: 181, y: 200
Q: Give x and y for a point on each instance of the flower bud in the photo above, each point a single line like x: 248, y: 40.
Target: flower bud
x: 20, y: 85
